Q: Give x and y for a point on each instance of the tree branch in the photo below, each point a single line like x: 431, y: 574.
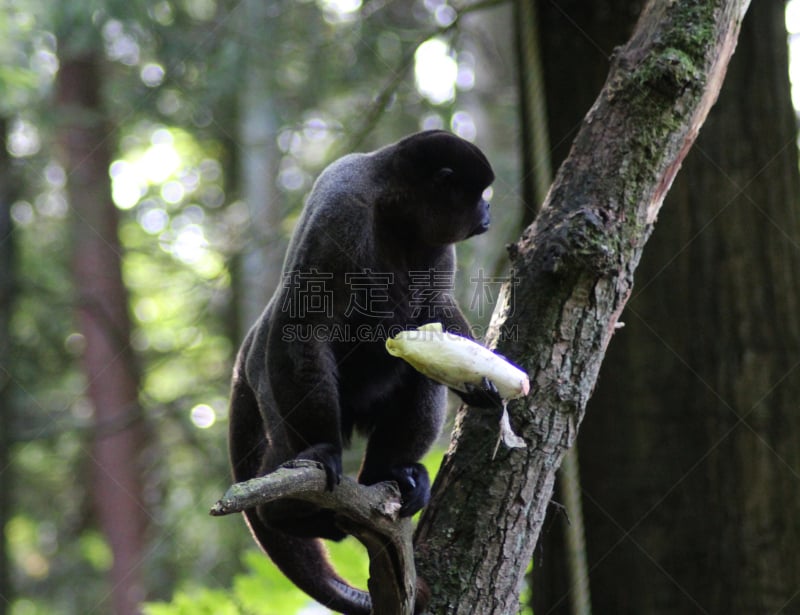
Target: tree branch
x: 370, y: 513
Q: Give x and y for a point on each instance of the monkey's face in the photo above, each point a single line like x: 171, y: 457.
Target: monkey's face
x: 447, y: 176
x: 484, y: 216
x: 455, y: 210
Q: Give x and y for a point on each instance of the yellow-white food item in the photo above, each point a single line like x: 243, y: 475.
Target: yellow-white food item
x: 455, y: 360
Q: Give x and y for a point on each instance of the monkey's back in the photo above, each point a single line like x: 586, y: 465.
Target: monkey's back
x: 334, y: 227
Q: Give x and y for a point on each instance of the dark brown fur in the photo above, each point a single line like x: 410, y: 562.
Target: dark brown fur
x: 395, y: 211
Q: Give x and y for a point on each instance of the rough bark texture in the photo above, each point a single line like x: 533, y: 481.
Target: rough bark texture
x: 103, y: 319
x: 691, y: 446
x: 575, y: 272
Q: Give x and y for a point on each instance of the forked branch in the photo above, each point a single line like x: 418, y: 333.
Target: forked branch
x: 367, y: 512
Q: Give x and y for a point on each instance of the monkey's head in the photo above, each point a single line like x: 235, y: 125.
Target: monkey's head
x: 445, y: 178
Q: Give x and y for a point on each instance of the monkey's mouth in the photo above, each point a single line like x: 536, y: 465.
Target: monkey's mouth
x: 481, y: 227
x: 486, y: 219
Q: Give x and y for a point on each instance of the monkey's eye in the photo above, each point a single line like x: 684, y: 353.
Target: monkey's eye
x: 443, y: 174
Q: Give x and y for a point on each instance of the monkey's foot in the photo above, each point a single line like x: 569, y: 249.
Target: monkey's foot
x: 330, y: 456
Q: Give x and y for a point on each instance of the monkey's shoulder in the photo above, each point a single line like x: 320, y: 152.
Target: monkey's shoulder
x: 352, y: 179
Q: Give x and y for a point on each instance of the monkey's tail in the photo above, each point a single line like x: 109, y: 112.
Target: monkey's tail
x: 304, y: 562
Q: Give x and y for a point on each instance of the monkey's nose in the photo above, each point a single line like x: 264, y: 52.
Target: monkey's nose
x: 487, y: 218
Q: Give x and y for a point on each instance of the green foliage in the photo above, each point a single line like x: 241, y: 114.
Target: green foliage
x: 525, y: 594
x: 351, y: 561
x: 29, y: 606
x: 265, y: 591
x: 95, y: 550
x: 27, y: 54
x: 260, y: 590
x: 201, y: 601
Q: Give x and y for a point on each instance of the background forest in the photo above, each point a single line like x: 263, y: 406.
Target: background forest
x: 156, y: 156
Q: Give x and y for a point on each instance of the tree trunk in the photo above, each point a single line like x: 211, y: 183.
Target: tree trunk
x: 262, y: 256
x: 692, y: 446
x: 7, y: 292
x: 112, y: 383
x: 574, y: 274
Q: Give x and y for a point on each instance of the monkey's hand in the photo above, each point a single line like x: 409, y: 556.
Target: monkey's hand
x: 330, y: 456
x: 415, y: 487
x: 484, y: 395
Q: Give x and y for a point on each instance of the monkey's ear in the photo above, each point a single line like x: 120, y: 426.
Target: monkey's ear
x: 443, y: 175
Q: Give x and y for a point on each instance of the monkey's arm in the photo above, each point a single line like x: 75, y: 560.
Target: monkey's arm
x: 303, y: 378
x: 410, y: 421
